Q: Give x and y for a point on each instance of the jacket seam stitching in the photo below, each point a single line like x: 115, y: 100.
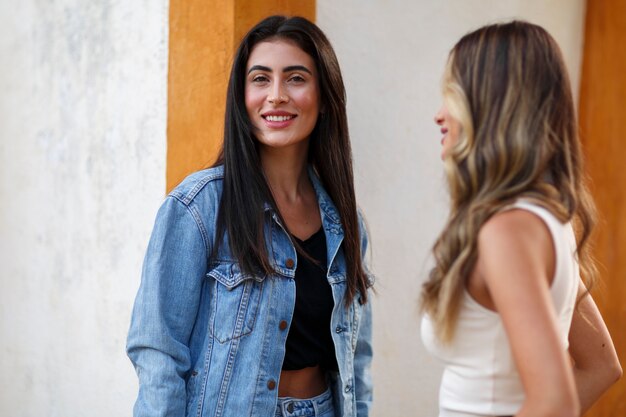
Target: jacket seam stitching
x: 197, y: 220
x: 187, y: 198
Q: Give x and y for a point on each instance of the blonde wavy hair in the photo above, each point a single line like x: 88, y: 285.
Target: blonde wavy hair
x: 508, y: 87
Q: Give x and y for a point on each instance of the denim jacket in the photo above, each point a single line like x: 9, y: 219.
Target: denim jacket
x: 207, y: 339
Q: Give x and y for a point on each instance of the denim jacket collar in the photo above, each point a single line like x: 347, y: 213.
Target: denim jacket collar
x: 326, y: 204
x: 332, y: 226
x: 324, y: 201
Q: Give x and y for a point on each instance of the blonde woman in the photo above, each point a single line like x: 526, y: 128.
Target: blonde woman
x: 500, y: 304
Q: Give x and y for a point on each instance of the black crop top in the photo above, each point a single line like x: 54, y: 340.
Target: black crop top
x: 309, y: 341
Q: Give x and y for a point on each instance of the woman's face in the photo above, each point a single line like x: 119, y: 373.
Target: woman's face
x: 282, y: 94
x: 450, y: 129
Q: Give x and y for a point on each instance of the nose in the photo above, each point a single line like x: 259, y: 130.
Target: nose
x: 276, y: 95
x: 439, y: 117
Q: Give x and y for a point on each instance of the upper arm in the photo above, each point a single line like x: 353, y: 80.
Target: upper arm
x: 173, y: 271
x: 516, y: 254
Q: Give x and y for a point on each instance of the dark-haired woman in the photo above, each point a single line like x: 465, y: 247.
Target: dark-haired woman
x: 500, y: 302
x: 254, y: 295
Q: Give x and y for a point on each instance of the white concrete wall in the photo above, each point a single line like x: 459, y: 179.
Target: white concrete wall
x: 392, y: 55
x: 82, y: 168
x: 82, y: 173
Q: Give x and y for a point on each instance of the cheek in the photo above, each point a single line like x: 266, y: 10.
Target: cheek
x: 455, y: 132
x: 308, y: 101
x: 254, y: 100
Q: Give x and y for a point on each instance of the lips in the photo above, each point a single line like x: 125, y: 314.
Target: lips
x: 277, y: 116
x: 278, y: 119
x: 272, y: 118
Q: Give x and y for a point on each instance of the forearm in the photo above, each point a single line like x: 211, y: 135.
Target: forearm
x: 548, y: 409
x: 161, y: 390
x: 362, y: 362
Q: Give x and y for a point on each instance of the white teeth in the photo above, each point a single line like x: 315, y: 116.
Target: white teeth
x: 277, y: 118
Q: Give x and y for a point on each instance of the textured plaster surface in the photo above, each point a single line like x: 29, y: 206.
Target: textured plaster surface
x: 392, y: 55
x: 82, y: 172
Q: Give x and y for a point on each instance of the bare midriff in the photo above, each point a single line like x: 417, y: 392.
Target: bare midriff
x: 302, y: 383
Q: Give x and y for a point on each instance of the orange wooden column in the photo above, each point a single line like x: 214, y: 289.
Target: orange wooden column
x: 203, y: 37
x: 602, y: 116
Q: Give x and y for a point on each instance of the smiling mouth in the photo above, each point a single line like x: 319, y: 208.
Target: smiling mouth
x: 272, y: 118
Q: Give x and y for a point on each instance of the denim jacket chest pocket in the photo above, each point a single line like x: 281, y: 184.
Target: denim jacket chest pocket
x: 235, y: 301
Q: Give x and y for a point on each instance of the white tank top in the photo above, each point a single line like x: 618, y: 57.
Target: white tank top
x: 480, y: 377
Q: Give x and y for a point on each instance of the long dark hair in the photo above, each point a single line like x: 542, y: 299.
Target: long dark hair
x: 241, y: 212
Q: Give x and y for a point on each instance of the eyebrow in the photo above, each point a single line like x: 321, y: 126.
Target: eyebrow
x: 286, y: 69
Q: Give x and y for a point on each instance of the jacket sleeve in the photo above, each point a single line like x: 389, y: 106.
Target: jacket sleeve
x: 165, y: 310
x: 363, y: 352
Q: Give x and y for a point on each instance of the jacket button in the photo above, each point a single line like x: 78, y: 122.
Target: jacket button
x: 338, y: 329
x: 271, y: 384
x: 348, y: 388
x: 289, y: 263
x: 282, y: 325
x: 290, y: 408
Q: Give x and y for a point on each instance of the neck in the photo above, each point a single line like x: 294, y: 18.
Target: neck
x: 286, y: 173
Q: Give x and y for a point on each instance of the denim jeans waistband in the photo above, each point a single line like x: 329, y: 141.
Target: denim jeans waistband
x: 319, y: 406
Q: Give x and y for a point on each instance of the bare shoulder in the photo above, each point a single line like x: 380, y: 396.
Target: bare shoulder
x: 513, y: 227
x: 516, y: 243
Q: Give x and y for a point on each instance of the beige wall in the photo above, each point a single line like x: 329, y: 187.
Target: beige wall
x: 392, y: 55
x: 82, y: 172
